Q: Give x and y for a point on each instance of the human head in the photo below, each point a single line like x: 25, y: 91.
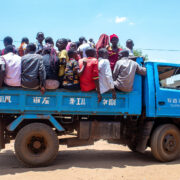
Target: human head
x: 47, y: 49
x: 72, y: 54
x: 124, y: 53
x: 73, y: 46
x: 91, y: 40
x: 61, y: 44
x: 8, y: 41
x: 68, y: 40
x: 49, y: 40
x: 40, y: 37
x: 25, y: 40
x: 129, y: 44
x: 103, y: 41
x: 82, y: 39
x: 77, y: 43
x: 31, y: 48
x: 90, y: 52
x: 103, y: 53
x: 8, y: 49
x: 114, y: 40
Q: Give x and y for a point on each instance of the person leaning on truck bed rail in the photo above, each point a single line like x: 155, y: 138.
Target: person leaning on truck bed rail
x: 105, y: 74
x: 124, y: 72
x: 12, y: 67
x: 72, y: 72
x: 51, y: 63
x: 33, y: 74
x: 89, y: 79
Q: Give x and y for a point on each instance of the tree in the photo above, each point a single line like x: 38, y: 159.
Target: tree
x: 140, y: 54
x: 137, y: 53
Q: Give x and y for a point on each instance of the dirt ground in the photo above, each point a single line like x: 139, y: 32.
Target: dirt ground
x: 102, y: 161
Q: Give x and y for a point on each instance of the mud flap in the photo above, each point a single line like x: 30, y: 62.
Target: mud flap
x: 146, y: 131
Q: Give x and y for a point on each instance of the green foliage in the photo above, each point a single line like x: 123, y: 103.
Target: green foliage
x: 140, y: 54
x: 137, y: 52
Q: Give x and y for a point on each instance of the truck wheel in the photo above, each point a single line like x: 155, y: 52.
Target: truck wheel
x: 165, y: 143
x: 36, y: 145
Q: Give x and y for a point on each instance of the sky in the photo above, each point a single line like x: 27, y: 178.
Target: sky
x: 151, y: 24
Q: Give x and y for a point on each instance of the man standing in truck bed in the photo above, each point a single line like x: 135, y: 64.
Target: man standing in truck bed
x: 124, y: 72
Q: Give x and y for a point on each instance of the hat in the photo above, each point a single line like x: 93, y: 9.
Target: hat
x: 113, y: 35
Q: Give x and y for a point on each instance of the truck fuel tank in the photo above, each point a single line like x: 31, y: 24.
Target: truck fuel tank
x: 99, y: 130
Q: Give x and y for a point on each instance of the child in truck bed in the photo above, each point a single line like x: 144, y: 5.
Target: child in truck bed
x: 63, y: 58
x: 72, y: 72
x: 89, y: 80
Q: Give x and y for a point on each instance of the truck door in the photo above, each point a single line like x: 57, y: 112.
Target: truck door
x: 167, y: 81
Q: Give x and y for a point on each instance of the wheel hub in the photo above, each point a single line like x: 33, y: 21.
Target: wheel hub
x: 170, y: 143
x: 36, y: 145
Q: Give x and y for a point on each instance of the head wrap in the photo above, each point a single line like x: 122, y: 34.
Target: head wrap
x: 113, y: 36
x: 102, y: 42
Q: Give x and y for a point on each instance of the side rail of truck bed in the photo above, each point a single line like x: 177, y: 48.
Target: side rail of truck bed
x: 21, y: 101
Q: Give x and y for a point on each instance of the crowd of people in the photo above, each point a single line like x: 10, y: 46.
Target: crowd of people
x: 75, y: 65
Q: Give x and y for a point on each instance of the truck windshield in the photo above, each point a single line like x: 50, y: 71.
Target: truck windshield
x: 169, y: 77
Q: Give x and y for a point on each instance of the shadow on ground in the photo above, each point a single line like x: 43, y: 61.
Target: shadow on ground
x: 91, y: 159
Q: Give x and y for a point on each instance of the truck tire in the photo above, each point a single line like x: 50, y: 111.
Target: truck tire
x: 165, y: 143
x: 36, y: 145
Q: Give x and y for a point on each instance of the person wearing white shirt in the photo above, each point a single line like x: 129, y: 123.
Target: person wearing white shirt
x: 82, y: 48
x: 129, y: 47
x: 12, y: 64
x: 105, y: 74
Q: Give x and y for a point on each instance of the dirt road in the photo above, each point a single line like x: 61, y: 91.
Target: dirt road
x: 100, y: 162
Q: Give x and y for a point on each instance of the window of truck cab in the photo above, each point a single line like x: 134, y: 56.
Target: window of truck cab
x: 169, y: 77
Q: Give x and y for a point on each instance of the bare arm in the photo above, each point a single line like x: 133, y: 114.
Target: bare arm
x: 80, y: 71
x: 141, y: 70
x: 3, y: 70
x: 98, y: 89
x: 42, y: 76
x: 116, y: 71
x: 109, y: 79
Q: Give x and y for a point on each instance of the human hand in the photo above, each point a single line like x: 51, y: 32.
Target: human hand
x: 113, y: 94
x: 99, y: 97
x: 85, y: 63
x: 42, y: 90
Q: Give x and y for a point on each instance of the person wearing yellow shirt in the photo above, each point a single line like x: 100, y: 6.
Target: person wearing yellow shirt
x: 63, y: 57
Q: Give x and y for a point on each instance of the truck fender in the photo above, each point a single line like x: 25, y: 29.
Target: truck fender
x: 16, y: 122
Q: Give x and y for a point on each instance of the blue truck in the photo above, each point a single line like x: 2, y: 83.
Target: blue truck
x: 149, y: 116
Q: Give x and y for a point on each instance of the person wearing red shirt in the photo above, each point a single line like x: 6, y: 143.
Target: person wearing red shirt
x: 89, y: 79
x: 113, y: 51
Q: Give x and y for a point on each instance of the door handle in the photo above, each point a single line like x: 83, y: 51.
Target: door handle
x: 161, y: 103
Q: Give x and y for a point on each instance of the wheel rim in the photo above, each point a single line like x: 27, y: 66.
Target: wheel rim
x: 170, y: 143
x: 36, y: 145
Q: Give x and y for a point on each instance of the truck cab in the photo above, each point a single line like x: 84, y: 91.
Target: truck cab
x: 165, y: 96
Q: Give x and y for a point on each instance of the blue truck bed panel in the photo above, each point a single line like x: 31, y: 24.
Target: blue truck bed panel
x: 21, y: 101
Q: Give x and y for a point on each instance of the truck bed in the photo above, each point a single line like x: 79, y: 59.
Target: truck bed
x: 22, y: 101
